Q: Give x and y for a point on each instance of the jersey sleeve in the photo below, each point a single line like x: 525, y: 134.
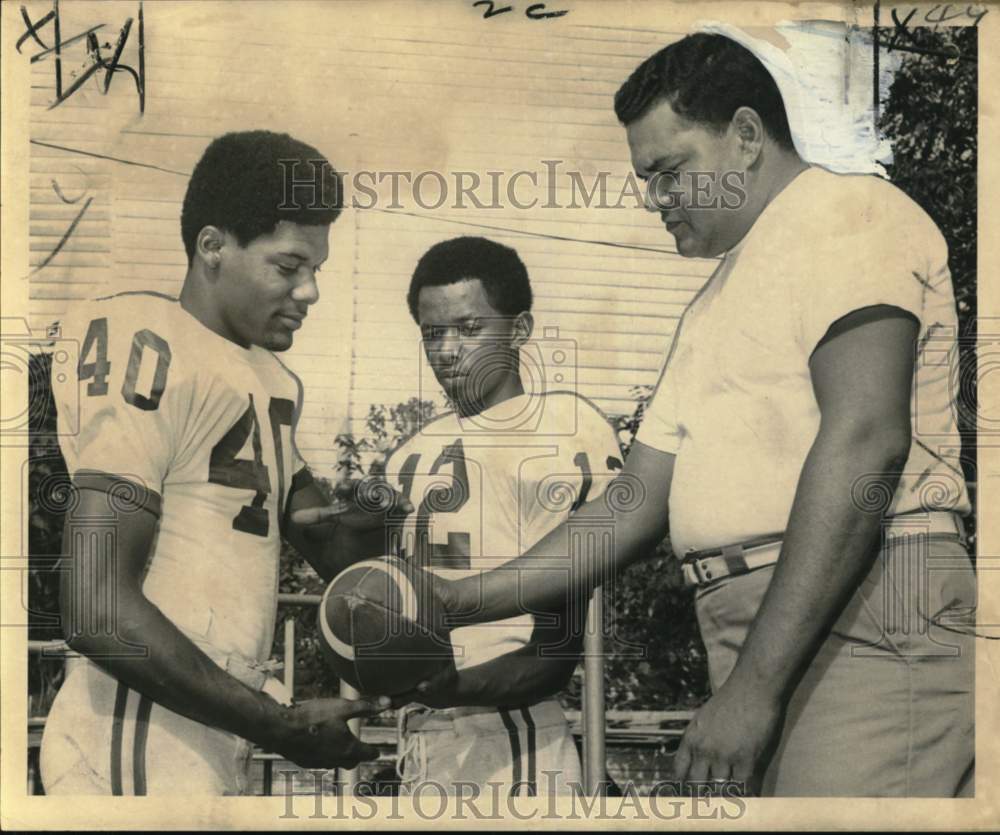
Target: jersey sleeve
x: 122, y: 415
x: 872, y: 262
x: 576, y: 468
x: 299, y: 467
x: 599, y: 444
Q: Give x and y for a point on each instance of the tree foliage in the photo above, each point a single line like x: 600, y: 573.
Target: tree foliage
x: 932, y: 119
x: 48, y: 494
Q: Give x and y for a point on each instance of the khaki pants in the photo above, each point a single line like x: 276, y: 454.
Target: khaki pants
x: 886, y: 708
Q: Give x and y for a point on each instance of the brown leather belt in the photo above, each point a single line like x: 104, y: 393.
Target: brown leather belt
x: 700, y: 568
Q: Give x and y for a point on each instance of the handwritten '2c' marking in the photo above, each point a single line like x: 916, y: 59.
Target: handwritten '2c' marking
x: 536, y: 11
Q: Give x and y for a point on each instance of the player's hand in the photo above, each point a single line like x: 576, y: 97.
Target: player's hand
x: 730, y: 737
x: 362, y: 505
x: 314, y: 734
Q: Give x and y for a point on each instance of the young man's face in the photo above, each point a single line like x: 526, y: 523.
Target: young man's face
x: 471, y: 347
x: 264, y: 289
x: 696, y: 175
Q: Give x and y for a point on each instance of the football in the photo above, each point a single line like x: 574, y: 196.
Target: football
x: 380, y: 629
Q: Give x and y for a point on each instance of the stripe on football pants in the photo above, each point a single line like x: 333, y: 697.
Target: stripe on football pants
x: 515, y: 750
x: 117, y: 731
x: 532, y: 776
x: 139, y: 745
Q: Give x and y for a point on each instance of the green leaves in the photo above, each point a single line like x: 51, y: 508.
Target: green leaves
x: 931, y: 118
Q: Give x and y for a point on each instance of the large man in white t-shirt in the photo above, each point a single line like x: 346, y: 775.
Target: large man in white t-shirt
x: 803, y: 438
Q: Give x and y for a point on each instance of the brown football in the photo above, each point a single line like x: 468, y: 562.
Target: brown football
x: 380, y: 629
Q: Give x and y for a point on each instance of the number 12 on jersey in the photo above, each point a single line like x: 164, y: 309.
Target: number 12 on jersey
x: 439, y: 501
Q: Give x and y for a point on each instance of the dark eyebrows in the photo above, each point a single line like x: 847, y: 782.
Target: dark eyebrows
x: 458, y: 321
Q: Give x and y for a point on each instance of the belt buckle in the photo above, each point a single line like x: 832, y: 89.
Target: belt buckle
x: 699, y: 570
x: 706, y: 577
x: 690, y: 560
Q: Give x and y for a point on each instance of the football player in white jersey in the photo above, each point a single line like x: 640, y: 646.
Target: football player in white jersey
x: 486, y: 481
x: 178, y: 432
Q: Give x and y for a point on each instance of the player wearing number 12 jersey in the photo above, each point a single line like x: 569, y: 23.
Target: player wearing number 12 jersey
x: 485, y: 482
x: 185, y: 466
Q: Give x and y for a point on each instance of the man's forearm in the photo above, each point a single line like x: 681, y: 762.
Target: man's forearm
x: 828, y: 545
x: 519, y: 678
x: 572, y: 560
x: 175, y: 673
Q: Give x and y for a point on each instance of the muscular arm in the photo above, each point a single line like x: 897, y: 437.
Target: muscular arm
x: 862, y: 380
x: 634, y: 507
x: 521, y: 677
x: 862, y: 374
x: 106, y: 617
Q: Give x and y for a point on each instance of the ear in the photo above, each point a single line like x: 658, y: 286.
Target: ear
x: 208, y: 246
x: 524, y: 323
x: 749, y: 132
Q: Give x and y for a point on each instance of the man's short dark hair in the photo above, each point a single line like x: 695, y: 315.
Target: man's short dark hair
x: 499, y: 268
x: 245, y: 183
x: 706, y: 78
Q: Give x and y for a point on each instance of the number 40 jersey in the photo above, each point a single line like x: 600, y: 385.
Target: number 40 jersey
x: 488, y: 487
x: 204, y: 429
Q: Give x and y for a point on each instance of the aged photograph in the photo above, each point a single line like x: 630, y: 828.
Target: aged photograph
x: 558, y: 410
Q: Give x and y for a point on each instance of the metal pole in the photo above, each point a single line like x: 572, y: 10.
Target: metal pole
x: 349, y: 776
x: 268, y: 788
x: 594, y: 765
x: 290, y: 656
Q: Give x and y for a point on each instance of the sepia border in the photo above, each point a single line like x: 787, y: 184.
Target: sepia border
x: 18, y: 811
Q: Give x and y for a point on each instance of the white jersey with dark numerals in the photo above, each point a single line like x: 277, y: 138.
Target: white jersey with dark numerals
x: 488, y: 487
x: 205, y: 427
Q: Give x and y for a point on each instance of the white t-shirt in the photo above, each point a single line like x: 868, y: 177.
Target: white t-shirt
x: 204, y: 431
x: 735, y: 402
x: 488, y: 487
